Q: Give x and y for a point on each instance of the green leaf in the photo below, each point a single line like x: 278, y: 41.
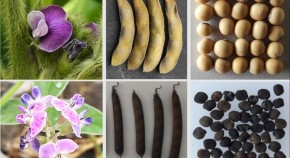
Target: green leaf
x: 54, y: 88
x: 9, y: 111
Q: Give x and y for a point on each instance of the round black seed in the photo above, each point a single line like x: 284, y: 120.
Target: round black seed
x: 264, y: 94
x: 216, y: 153
x: 278, y: 89
x: 243, y: 127
x: 256, y: 109
x: 251, y: 155
x: 278, y: 103
x: 263, y: 155
x: 247, y: 146
x: 279, y: 154
x: 240, y: 154
x: 216, y: 96
x: 278, y: 133
x: 265, y: 137
x: 219, y: 135
x: 228, y: 124
x: 205, y: 121
x: 235, y: 146
x: 244, y: 105
x: 241, y: 95
x: 274, y: 114
x: 255, y: 138
x: 255, y: 119
x: 217, y: 114
x: 269, y: 126
x: 199, y: 133
x: 280, y: 123
x: 209, y: 143
x: 234, y: 134
x: 274, y: 146
x: 267, y: 105
x: 223, y: 105
x: 229, y: 96
x: 258, y: 128
x: 228, y: 154
x: 209, y: 105
x: 216, y: 126
x: 264, y: 116
x: 244, y: 136
x: 202, y: 153
x: 261, y: 147
x: 225, y: 142
x: 235, y: 116
x: 253, y: 99
x: 200, y: 97
x: 245, y: 117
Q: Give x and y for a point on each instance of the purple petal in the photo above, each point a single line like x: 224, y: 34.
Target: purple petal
x: 94, y: 27
x: 22, y: 109
x: 33, y: 18
x: 66, y: 146
x: 59, y: 104
x: 47, y: 100
x: 77, y: 100
x: 59, y: 29
x: 86, y: 121
x: 37, y: 123
x: 34, y: 144
x: 77, y: 130
x: 41, y: 29
x: 23, y: 143
x: 21, y: 118
x: 47, y: 150
x: 36, y: 92
x: 26, y: 98
x: 84, y: 113
x: 71, y: 115
x: 36, y: 106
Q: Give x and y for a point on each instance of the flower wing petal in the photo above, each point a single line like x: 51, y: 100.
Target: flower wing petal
x: 71, y: 115
x: 33, y: 18
x: 36, y: 92
x: 66, y: 146
x: 37, y: 123
x: 78, y: 100
x: 59, y: 104
x: 26, y: 98
x: 41, y: 29
x: 20, y: 118
x: 47, y: 150
x: 77, y: 130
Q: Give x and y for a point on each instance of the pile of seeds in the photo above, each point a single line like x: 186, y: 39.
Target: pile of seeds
x: 241, y: 131
x: 257, y: 26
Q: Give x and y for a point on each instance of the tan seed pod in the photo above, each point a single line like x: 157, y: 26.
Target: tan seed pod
x: 226, y: 26
x: 257, y: 65
x: 276, y: 16
x: 204, y: 29
x: 276, y: 33
x: 223, y: 48
x: 222, y: 8
x: 204, y: 12
x: 259, y: 11
x: 202, y: 1
x: 241, y: 47
x: 276, y: 3
x: 242, y: 28
x: 205, y: 46
x: 222, y: 65
x: 260, y: 30
x: 257, y: 47
x: 204, y: 62
x: 275, y: 50
x: 274, y: 66
x: 240, y: 10
x: 240, y: 65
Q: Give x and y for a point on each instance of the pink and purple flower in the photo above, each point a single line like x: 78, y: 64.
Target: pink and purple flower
x: 58, y: 149
x: 29, y: 141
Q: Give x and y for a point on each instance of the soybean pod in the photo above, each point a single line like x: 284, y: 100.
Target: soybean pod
x: 177, y: 125
x: 141, y: 40
x: 158, y: 126
x: 124, y: 47
x: 139, y: 124
x: 174, y: 46
x: 157, y: 36
x: 118, y: 122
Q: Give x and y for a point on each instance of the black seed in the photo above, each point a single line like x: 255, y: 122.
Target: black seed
x: 216, y: 114
x: 205, y: 121
x: 269, y: 126
x: 235, y: 146
x: 245, y: 106
x: 280, y: 123
x: 200, y: 97
x: 256, y: 109
x: 225, y: 142
x: 257, y: 128
x: 240, y: 154
x: 279, y: 154
x: 267, y: 105
x: 228, y: 124
x: 219, y: 135
x: 243, y: 127
x: 228, y: 154
x: 278, y: 103
x: 253, y: 99
x: 247, y: 146
x: 244, y: 137
x: 274, y: 146
x: 202, y: 153
x: 229, y: 96
x: 216, y: 153
x: 199, y: 133
x: 216, y: 126
x: 279, y: 133
x: 235, y: 116
x: 263, y: 155
x: 245, y: 117
x: 274, y: 114
x: 241, y: 95
x: 278, y: 89
x: 261, y: 147
x: 234, y: 134
x: 223, y: 105
x: 216, y: 96
x: 264, y: 94
x: 264, y: 116
x: 265, y: 137
x: 255, y: 138
x: 209, y: 105
x: 251, y: 155
x: 209, y: 143
x: 255, y: 119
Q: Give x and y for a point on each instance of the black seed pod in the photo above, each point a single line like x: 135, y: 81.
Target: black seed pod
x: 229, y: 96
x: 205, y: 121
x: 219, y: 135
x: 264, y: 116
x: 245, y: 106
x: 235, y: 146
x: 202, y: 153
x: 263, y: 155
x: 278, y: 89
x: 267, y: 105
x: 255, y: 138
x: 241, y: 95
x: 278, y: 103
x: 251, y: 155
x: 247, y: 146
x: 279, y: 154
x: 258, y: 128
x: 280, y: 123
x: 228, y: 124
x: 255, y: 119
x: 216, y: 153
x: 244, y: 137
x: 253, y: 99
x: 261, y: 147
x: 243, y: 127
x: 235, y: 116
x: 209, y: 105
x: 200, y: 97
x: 269, y: 126
x: 240, y: 154
x: 274, y: 146
x: 223, y: 105
x: 265, y: 137
x: 209, y: 143
x: 217, y: 114
x: 245, y: 117
x: 279, y: 133
x: 264, y: 94
x: 199, y: 133
x: 225, y: 142
x: 256, y: 109
x: 228, y: 154
x: 216, y: 96
x: 216, y: 126
x: 234, y: 134
x: 274, y: 114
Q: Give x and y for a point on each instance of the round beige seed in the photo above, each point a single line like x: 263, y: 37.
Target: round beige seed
x: 259, y: 0
x: 276, y: 16
x: 241, y: 47
x: 222, y: 65
x: 274, y: 66
x: 242, y: 28
x: 222, y: 8
x: 276, y: 3
x: 223, y: 48
x: 204, y: 29
x: 256, y: 66
x: 276, y: 33
x: 205, y: 46
x: 242, y: 0
x: 260, y: 30
x: 257, y: 47
x: 275, y: 50
x: 240, y: 10
x: 202, y: 1
x: 226, y: 26
x: 240, y: 65
x: 259, y: 11
x: 204, y: 12
x: 204, y: 62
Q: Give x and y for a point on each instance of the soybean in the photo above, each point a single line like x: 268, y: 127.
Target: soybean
x: 259, y: 11
x: 226, y: 26
x: 222, y: 65
x: 276, y: 3
x: 274, y: 66
x: 241, y: 47
x: 204, y: 29
x: 276, y: 33
x: 256, y: 65
x: 275, y: 50
x: 260, y: 29
x: 205, y: 46
x: 240, y: 65
x: 240, y: 10
x: 204, y: 62
x: 201, y: 1
x: 223, y: 48
x: 222, y: 8
x: 242, y: 28
x: 276, y: 16
x: 257, y: 47
x: 204, y: 12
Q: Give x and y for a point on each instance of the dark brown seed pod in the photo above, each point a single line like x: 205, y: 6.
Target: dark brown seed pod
x: 205, y: 121
x: 278, y: 89
x: 177, y: 124
x: 139, y: 124
x: 158, y: 126
x: 118, y: 122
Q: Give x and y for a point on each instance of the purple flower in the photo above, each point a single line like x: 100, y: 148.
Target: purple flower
x: 83, y: 122
x: 29, y: 141
x: 74, y: 47
x: 95, y: 28
x: 61, y: 147
x: 51, y: 27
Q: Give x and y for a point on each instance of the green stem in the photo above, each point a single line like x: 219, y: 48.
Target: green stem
x: 10, y: 93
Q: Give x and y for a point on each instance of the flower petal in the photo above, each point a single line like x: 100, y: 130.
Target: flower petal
x: 94, y: 27
x: 77, y: 130
x: 47, y: 100
x: 33, y: 18
x: 77, y: 100
x: 47, y: 150
x: 84, y: 113
x: 86, y: 122
x: 34, y: 144
x: 36, y: 92
x: 21, y: 118
x: 22, y: 109
x: 66, y: 146
x: 37, y: 123
x: 59, y: 29
x: 71, y: 115
x: 41, y: 29
x: 59, y: 104
x: 26, y: 98
x: 36, y: 106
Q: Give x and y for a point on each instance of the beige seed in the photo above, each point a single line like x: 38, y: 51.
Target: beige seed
x: 242, y: 28
x: 260, y: 30
x: 205, y: 46
x: 222, y: 65
x: 222, y: 8
x: 274, y: 66
x: 241, y: 47
x: 275, y: 50
x: 256, y: 66
x: 223, y: 48
x: 240, y: 10
x: 204, y: 12
x: 202, y: 1
x: 204, y: 62
x: 259, y: 0
x: 276, y: 16
x: 259, y: 11
x: 276, y: 3
x: 204, y: 29
x: 276, y: 33
x: 257, y: 47
x: 240, y: 65
x: 242, y: 0
x: 226, y: 26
